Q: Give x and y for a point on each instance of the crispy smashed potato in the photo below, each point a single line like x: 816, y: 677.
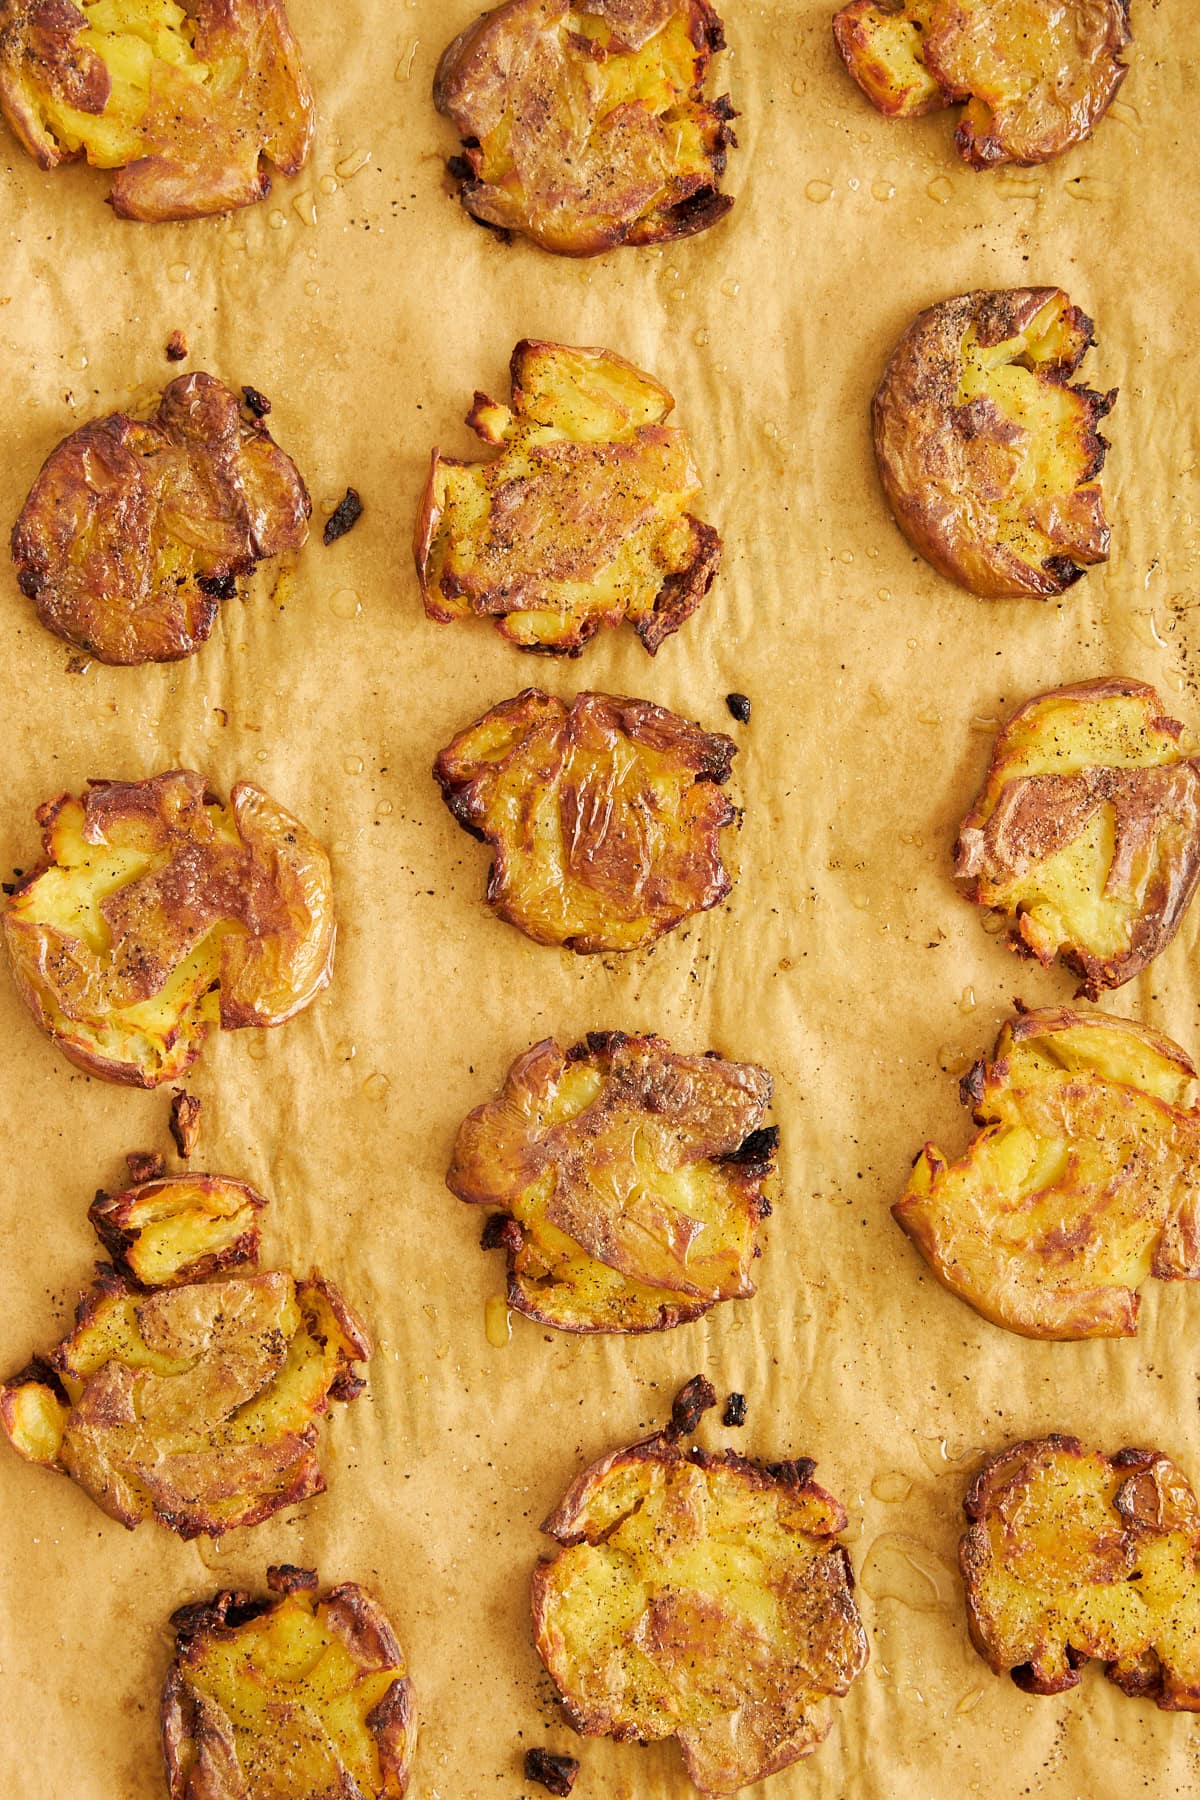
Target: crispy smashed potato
x: 1036, y: 78
x: 183, y: 101
x: 700, y: 1597
x: 627, y: 1181
x: 159, y: 913
x: 290, y: 1698
x: 605, y: 816
x: 988, y: 456
x: 581, y: 521
x: 1087, y: 832
x: 585, y: 126
x: 190, y: 1401
x: 135, y: 531
x: 1071, y: 1554
x: 1083, y: 1182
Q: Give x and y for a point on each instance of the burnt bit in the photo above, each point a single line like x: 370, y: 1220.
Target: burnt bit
x: 346, y: 1386
x: 756, y: 1150
x: 970, y: 1088
x: 735, y: 1410
x: 176, y: 347
x: 344, y: 517
x: 288, y: 1578
x: 184, y: 1122
x: 501, y: 1232
x: 692, y: 1401
x: 145, y: 1165
x: 795, y: 1473
x: 556, y: 1774
x: 739, y: 706
x: 218, y: 587
x: 258, y: 403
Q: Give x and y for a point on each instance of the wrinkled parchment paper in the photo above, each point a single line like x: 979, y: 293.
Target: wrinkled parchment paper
x: 843, y: 960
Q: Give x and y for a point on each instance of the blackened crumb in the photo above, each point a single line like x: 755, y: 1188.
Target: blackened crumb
x: 459, y: 169
x: 735, y: 1410
x: 555, y: 1773
x: 344, y: 517
x: 739, y: 706
x: 145, y: 1165
x: 176, y: 347
x: 10, y: 887
x: 691, y: 1403
x: 258, y: 403
x: 218, y: 587
x: 185, y: 1122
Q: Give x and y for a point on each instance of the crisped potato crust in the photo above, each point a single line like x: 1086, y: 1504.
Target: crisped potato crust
x: 581, y: 520
x: 700, y: 1597
x: 987, y: 455
x: 585, y: 126
x: 294, y: 1698
x: 1036, y: 78
x: 191, y: 1401
x: 158, y: 913
x: 605, y: 816
x: 184, y: 102
x: 135, y: 531
x: 1071, y: 1554
x: 1087, y: 832
x: 1083, y: 1182
x: 628, y: 1179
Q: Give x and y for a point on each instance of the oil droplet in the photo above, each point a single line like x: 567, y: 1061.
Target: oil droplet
x: 1126, y: 112
x: 700, y: 338
x: 994, y: 923
x: 953, y: 1061
x: 883, y: 190
x: 497, y: 1322
x: 1090, y: 187
x: 893, y: 1487
x: 873, y: 551
x: 846, y: 556
x: 312, y: 289
x: 346, y: 1051
x: 885, y: 593
x: 235, y: 242
x: 985, y: 722
x: 276, y: 220
x: 339, y: 846
x: 861, y: 902
x: 345, y: 604
x: 1019, y: 186
x: 353, y: 765
x: 941, y: 1457
x: 881, y: 705
x: 967, y: 1001
x: 78, y: 359
x: 261, y: 756
x: 384, y: 808
x: 818, y: 191
x: 929, y: 718
x: 305, y: 208
x: 375, y: 1087
x: 350, y: 165
x: 179, y: 272
x: 901, y: 1568
x: 771, y: 430
x: 799, y: 85
x: 970, y: 1701
x: 910, y: 643
x: 328, y: 184
x: 941, y: 189
x: 731, y: 287
x: 256, y: 1049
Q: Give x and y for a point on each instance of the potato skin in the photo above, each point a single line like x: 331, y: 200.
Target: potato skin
x: 947, y: 468
x: 581, y: 172
x: 134, y: 532
x: 124, y: 1222
x: 1017, y: 824
x: 1056, y: 1538
x: 644, y: 837
x: 273, y: 882
x: 197, y: 154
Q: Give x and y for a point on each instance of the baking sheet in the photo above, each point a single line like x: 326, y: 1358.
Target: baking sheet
x: 844, y: 960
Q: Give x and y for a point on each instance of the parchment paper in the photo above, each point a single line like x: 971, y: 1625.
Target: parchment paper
x: 844, y: 959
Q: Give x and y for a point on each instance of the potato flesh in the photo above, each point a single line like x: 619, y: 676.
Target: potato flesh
x: 1058, y: 1210
x: 146, y: 46
x: 182, y: 1223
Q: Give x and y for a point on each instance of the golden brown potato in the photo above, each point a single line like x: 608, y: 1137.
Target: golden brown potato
x: 1036, y: 78
x: 586, y: 126
x: 294, y: 1698
x: 135, y: 531
x: 627, y: 1181
x: 158, y: 913
x: 1071, y: 1554
x: 184, y: 102
x: 699, y: 1597
x: 988, y: 456
x: 581, y: 520
x: 1087, y: 832
x: 191, y: 1401
x: 605, y: 816
x: 1082, y: 1184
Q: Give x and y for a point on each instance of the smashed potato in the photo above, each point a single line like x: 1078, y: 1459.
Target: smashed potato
x: 159, y: 913
x: 1083, y: 1182
x: 184, y: 102
x: 190, y: 1401
x: 585, y: 126
x: 700, y: 1597
x: 581, y: 521
x: 627, y: 1181
x: 178, y: 1228
x: 605, y: 816
x: 1071, y: 1554
x: 299, y: 1695
x: 135, y: 531
x: 987, y: 455
x: 1036, y: 79
x: 1087, y: 832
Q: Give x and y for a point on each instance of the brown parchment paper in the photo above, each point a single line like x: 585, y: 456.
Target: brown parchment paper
x: 843, y: 960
